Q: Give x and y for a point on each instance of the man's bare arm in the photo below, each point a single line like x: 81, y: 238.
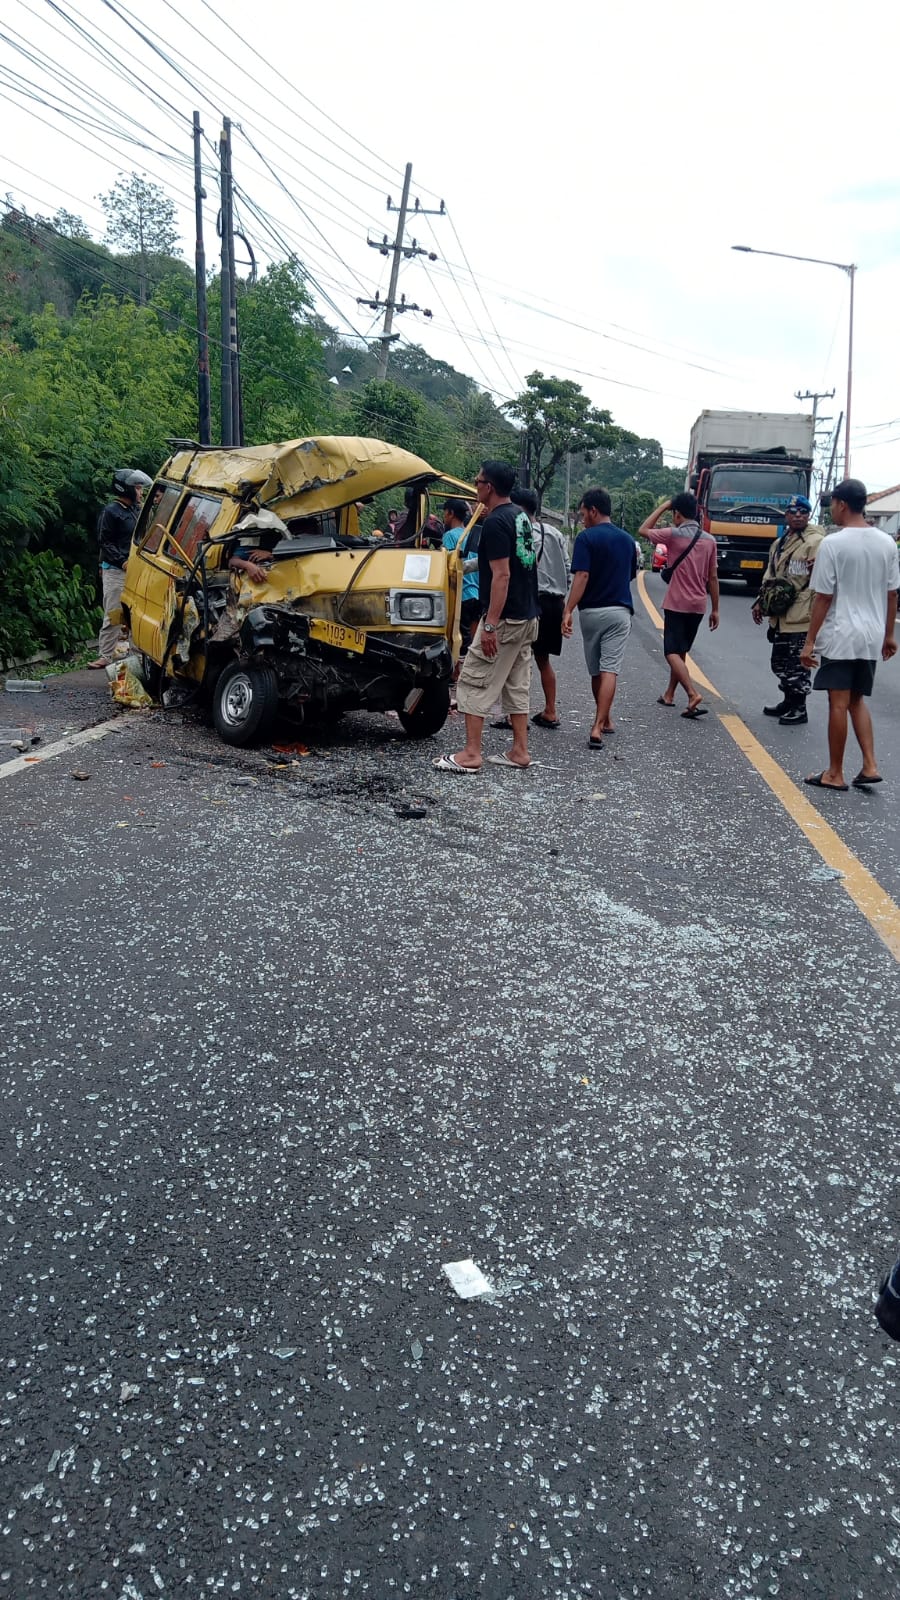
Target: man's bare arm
x: 499, y: 590
x: 889, y: 648
x: 647, y: 526
x: 579, y: 584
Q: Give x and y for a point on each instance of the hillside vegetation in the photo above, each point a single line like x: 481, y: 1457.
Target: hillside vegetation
x: 98, y: 354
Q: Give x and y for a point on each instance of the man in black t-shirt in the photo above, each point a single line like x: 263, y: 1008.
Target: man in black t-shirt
x: 499, y: 658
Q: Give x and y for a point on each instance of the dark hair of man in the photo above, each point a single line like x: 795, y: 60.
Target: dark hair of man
x: 457, y: 508
x: 500, y: 475
x: 597, y: 500
x: 853, y: 493
x: 685, y: 504
x: 526, y: 498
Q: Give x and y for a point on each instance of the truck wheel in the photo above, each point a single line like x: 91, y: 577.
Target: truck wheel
x: 430, y: 714
x: 244, y: 702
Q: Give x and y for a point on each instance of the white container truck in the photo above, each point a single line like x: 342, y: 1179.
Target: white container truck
x: 744, y: 467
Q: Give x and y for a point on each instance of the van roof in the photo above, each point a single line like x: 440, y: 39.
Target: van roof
x: 301, y: 476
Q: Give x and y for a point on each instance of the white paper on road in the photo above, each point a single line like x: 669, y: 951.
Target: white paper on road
x: 468, y: 1280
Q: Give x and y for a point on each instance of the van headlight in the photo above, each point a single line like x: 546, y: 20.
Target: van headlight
x: 429, y: 609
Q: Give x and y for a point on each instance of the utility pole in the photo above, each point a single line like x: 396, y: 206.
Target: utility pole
x: 568, y: 487
x: 227, y: 424
x: 232, y: 407
x: 204, y: 429
x: 826, y: 394
x: 398, y: 249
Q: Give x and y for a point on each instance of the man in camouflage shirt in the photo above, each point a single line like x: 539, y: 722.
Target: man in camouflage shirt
x: 791, y: 557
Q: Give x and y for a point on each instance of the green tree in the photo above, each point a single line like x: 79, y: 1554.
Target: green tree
x: 383, y: 410
x: 103, y: 389
x: 557, y: 419
x: 140, y: 218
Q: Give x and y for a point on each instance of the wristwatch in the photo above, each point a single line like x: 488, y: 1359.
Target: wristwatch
x: 488, y: 627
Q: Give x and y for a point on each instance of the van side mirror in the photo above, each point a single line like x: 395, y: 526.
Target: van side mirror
x: 694, y: 480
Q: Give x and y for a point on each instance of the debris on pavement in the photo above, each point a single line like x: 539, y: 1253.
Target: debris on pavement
x: 406, y: 811
x: 467, y: 1279
x: 80, y: 777
x: 26, y: 685
x: 127, y: 683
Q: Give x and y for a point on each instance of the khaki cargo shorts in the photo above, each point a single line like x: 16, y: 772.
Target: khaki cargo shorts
x: 507, y: 674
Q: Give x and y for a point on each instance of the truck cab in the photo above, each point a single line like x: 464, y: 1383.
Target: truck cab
x: 744, y: 468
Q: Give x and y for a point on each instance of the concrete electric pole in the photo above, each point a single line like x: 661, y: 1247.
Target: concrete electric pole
x: 398, y: 250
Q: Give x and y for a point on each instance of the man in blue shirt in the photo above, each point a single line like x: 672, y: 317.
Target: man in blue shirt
x: 456, y: 518
x: 604, y: 566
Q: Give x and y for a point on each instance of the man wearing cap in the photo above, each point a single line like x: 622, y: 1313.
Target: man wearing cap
x: 785, y: 600
x: 852, y: 620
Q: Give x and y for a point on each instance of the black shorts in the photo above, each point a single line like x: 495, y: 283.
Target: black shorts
x: 549, y: 639
x: 680, y: 631
x: 469, y: 614
x: 857, y: 676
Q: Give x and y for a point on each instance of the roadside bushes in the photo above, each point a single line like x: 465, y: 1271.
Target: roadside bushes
x: 45, y: 605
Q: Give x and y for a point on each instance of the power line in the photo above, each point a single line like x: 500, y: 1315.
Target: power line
x: 515, y: 378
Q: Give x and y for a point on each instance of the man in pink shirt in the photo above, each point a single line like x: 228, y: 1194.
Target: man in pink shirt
x: 691, y: 565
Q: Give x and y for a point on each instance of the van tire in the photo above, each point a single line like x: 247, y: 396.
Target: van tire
x: 430, y: 714
x: 244, y: 703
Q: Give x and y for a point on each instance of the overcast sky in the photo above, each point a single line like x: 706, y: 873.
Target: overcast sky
x: 597, y: 163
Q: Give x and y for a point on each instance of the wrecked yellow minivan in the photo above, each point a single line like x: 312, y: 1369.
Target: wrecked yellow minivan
x: 248, y: 578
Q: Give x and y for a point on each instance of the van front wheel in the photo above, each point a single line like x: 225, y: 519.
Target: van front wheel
x: 429, y: 716
x: 244, y: 702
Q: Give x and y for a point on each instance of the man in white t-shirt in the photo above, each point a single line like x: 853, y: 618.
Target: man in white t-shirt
x: 854, y: 582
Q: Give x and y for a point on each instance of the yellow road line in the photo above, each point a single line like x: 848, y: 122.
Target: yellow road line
x: 880, y: 911
x: 865, y: 891
x: 657, y: 621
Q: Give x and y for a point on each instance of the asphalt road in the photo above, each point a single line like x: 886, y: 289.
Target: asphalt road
x: 273, y: 1056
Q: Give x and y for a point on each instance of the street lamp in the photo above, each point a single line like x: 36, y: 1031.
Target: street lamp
x: 842, y: 266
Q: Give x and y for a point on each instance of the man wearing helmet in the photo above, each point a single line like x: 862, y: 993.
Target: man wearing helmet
x: 115, y: 527
x: 785, y: 600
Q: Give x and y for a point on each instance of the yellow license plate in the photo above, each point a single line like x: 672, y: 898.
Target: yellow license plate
x: 338, y: 634
x: 758, y: 564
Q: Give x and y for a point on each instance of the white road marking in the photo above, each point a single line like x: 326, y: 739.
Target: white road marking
x: 70, y: 742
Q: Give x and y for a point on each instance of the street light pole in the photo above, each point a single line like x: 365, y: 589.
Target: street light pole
x: 842, y: 266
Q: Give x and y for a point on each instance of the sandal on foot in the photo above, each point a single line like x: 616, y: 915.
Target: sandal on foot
x: 450, y: 764
x: 517, y: 766
x: 695, y: 712
x: 862, y: 782
x: 670, y: 704
x: 818, y: 782
x: 540, y: 721
x: 594, y: 743
x: 503, y: 722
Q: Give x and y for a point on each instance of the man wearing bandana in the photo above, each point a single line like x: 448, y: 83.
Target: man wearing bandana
x: 789, y: 567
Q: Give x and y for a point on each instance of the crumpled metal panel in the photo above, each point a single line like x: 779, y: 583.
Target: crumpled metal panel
x: 303, y: 476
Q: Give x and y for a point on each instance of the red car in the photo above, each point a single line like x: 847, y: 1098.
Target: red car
x: 659, y: 558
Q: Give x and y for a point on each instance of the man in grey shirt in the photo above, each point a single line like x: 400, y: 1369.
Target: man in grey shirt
x: 553, y: 583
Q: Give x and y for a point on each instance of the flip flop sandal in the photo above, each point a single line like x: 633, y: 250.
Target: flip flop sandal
x: 504, y: 761
x: 862, y: 782
x: 697, y: 711
x: 595, y: 744
x: 503, y: 722
x: 540, y: 721
x: 449, y: 764
x: 816, y: 783
x: 669, y: 704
